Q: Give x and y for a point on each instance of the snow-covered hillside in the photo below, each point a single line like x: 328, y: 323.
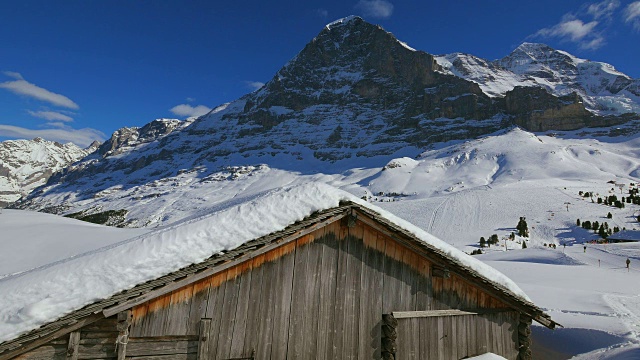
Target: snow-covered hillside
x: 27, y: 164
x: 354, y: 97
x: 603, y: 89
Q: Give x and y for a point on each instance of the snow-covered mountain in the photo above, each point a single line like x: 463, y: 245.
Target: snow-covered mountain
x: 354, y: 98
x: 603, y: 89
x: 27, y: 164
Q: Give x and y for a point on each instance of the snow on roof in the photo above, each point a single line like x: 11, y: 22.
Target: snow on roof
x: 36, y: 297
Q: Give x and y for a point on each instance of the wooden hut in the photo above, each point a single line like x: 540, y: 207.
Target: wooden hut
x: 343, y: 283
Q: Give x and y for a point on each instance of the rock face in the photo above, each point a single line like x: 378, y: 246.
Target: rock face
x: 127, y: 138
x: 27, y: 164
x: 604, y: 91
x: 355, y: 96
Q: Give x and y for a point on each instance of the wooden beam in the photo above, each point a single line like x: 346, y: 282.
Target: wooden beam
x: 203, y: 341
x: 211, y: 271
x: 72, y: 348
x: 54, y: 335
x: 430, y: 313
x: 124, y: 321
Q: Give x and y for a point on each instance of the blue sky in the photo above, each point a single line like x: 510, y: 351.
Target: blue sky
x: 79, y: 70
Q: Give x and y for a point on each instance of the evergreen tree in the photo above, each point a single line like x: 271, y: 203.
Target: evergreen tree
x: 483, y: 242
x: 494, y: 239
x: 609, y: 216
x: 524, y: 244
x: 522, y: 227
x: 578, y: 222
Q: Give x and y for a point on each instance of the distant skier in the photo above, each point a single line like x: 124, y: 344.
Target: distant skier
x: 628, y: 263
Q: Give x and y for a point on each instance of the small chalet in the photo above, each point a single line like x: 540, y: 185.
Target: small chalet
x: 308, y: 272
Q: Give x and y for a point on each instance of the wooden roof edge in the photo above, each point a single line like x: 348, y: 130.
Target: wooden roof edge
x: 523, y: 305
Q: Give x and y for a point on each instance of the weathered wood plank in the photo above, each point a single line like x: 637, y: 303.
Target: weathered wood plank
x: 340, y: 299
x: 228, y: 315
x: 89, y: 336
x: 430, y: 313
x: 152, y: 348
x: 353, y: 290
x: 327, y: 295
x: 198, y: 309
x: 214, y: 309
x: 298, y: 312
x: 204, y: 339
x: 461, y: 339
x: 45, y: 352
x: 442, y: 350
x: 312, y: 295
x: 255, y: 301
x: 124, y: 321
x: 103, y: 325
x: 239, y: 329
x: 191, y: 356
x: 369, y: 326
x: 392, y: 275
x: 283, y: 301
x: 139, y: 320
x: 72, y: 348
x: 176, y: 322
x: 97, y: 351
x: 265, y: 328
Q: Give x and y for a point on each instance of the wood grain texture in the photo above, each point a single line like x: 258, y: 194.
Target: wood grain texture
x: 72, y: 348
x: 326, y: 292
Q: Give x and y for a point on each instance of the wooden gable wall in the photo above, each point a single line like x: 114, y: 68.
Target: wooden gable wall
x: 322, y: 296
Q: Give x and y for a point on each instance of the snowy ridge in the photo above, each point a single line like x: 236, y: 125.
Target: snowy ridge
x: 27, y: 164
x: 31, y: 299
x: 604, y: 90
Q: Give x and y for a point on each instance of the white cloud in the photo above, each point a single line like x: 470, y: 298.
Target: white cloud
x: 575, y: 30
x: 187, y: 110
x: 632, y: 14
x: 13, y: 74
x: 603, y: 9
x: 323, y: 13
x: 23, y: 87
x: 375, y: 8
x: 50, y: 115
x: 254, y: 85
x: 189, y: 99
x: 80, y: 137
x: 595, y: 43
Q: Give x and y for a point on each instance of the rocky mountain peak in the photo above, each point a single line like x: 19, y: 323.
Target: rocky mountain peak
x: 127, y: 138
x: 354, y: 96
x: 27, y: 164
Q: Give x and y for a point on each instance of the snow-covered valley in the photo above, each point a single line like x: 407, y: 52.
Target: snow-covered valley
x: 459, y: 192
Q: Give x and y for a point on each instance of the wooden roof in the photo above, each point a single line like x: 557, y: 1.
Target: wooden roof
x: 221, y: 261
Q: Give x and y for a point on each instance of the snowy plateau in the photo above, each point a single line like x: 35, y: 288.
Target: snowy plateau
x: 436, y: 144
